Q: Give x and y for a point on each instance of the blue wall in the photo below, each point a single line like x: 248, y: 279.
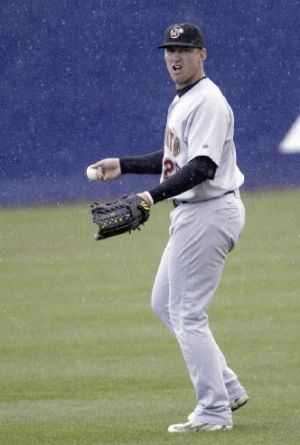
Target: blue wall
x: 82, y: 80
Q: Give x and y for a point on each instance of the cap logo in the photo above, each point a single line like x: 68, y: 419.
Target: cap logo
x: 176, y: 31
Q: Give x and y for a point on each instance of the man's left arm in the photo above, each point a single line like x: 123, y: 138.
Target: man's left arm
x: 193, y: 173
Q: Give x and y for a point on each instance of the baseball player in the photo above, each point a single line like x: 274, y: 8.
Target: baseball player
x: 199, y: 174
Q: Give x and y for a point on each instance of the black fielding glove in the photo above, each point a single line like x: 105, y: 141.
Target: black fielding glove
x: 121, y: 216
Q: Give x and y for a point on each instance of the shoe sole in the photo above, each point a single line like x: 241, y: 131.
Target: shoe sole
x: 205, y: 428
x: 239, y: 403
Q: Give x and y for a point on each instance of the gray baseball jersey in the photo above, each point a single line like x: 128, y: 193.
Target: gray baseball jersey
x: 201, y: 123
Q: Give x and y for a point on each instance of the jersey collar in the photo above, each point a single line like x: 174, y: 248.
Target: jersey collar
x: 184, y: 90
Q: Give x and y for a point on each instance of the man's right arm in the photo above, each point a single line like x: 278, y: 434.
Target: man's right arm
x: 146, y: 164
x: 113, y: 168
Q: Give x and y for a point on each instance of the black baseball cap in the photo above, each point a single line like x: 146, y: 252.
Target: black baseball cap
x: 184, y: 34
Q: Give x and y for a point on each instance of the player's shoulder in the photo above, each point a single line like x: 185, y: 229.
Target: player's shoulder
x: 205, y: 91
x: 211, y: 96
x: 205, y: 95
x: 209, y: 90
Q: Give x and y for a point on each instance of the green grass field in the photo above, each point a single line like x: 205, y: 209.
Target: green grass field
x: 85, y: 361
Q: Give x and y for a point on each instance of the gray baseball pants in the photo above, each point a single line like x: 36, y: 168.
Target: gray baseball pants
x: 201, y: 235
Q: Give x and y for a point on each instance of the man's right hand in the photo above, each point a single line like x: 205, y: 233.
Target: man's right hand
x: 110, y: 169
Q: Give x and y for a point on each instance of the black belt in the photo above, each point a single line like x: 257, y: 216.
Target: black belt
x: 177, y: 202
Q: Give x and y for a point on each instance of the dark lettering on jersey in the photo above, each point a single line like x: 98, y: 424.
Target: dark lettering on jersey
x: 172, y: 143
x: 176, y: 146
x: 169, y: 168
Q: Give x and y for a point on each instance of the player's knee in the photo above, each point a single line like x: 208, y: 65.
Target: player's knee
x: 156, y: 307
x: 191, y: 322
x: 159, y: 309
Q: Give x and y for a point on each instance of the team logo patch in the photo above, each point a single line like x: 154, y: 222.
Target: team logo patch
x: 176, y: 31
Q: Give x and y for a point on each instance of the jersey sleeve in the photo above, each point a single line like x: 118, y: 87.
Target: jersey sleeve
x: 207, y: 130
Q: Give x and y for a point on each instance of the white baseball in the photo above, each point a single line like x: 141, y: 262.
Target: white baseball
x: 93, y: 173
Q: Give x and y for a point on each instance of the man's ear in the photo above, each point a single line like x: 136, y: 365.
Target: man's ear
x: 203, y: 54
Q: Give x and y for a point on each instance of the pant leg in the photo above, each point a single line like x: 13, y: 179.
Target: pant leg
x: 160, y: 305
x: 160, y: 292
x: 234, y: 389
x: 200, y: 240
x: 160, y: 300
x: 233, y: 386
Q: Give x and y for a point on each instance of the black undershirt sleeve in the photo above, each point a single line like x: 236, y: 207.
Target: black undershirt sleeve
x: 150, y: 164
x: 193, y: 173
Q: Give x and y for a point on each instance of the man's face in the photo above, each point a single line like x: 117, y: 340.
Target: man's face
x: 185, y: 64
